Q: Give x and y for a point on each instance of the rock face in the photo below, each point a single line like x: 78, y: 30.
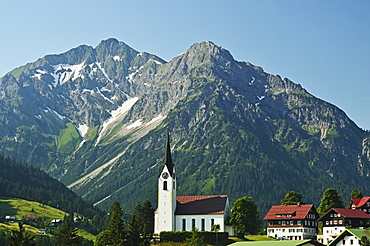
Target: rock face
x: 96, y: 118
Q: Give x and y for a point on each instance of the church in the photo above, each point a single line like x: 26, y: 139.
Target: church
x: 183, y: 213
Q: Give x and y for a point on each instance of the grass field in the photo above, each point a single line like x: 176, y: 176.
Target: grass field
x: 21, y: 208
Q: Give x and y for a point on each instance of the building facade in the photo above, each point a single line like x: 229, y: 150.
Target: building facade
x: 292, y: 222
x: 336, y: 220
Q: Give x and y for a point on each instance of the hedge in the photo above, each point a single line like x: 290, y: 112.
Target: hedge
x: 180, y: 236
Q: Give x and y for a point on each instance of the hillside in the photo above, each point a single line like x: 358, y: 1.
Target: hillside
x: 21, y: 209
x: 95, y: 118
x: 17, y: 179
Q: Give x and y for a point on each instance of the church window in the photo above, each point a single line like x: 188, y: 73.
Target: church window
x: 203, y: 225
x: 212, y: 222
x: 184, y: 224
x: 165, y: 185
x: 351, y: 242
x: 192, y: 223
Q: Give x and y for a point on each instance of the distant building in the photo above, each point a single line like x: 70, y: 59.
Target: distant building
x: 350, y: 237
x: 183, y: 213
x: 336, y: 220
x: 293, y: 222
x: 362, y: 204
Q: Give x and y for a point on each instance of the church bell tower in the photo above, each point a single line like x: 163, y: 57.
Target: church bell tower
x: 165, y: 215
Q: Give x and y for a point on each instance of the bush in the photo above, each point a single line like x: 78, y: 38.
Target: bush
x: 180, y: 236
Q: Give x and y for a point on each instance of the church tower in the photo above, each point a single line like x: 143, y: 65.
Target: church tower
x: 165, y: 214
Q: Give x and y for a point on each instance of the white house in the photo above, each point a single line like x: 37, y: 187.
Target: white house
x: 350, y: 237
x: 183, y: 213
x: 336, y: 220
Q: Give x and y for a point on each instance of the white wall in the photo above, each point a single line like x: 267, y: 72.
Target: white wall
x: 284, y: 232
x: 218, y: 219
x: 329, y: 231
x: 347, y: 240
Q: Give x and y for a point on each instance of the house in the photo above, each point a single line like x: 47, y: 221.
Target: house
x: 10, y: 219
x: 55, y: 222
x: 183, y: 213
x: 308, y: 242
x: 30, y: 219
x: 362, y: 203
x: 293, y: 222
x: 350, y: 237
x: 336, y: 220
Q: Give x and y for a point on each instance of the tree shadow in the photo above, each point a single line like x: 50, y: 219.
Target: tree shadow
x: 6, y: 209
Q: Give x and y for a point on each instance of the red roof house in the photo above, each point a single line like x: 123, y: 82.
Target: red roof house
x: 294, y: 222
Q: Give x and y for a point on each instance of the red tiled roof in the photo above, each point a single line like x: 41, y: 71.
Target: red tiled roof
x: 187, y: 205
x: 296, y: 211
x: 352, y: 213
x: 359, y: 202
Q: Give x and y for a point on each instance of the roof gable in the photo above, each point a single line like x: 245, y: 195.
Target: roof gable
x: 358, y: 233
x: 347, y: 213
x: 359, y: 202
x: 187, y: 205
x: 289, y: 211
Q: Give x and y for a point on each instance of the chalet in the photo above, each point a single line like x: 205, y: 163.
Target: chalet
x: 362, y: 203
x: 30, y: 219
x: 183, y: 213
x: 336, y: 220
x: 10, y: 219
x: 350, y: 237
x: 293, y: 222
x: 55, y: 222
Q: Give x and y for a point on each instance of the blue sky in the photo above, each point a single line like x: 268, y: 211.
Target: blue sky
x: 322, y: 45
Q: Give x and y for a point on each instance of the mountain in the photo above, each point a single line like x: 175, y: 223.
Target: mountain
x: 96, y: 119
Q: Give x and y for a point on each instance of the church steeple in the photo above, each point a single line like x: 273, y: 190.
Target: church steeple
x: 167, y: 156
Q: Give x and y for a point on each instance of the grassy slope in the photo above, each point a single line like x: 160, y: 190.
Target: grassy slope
x: 21, y: 208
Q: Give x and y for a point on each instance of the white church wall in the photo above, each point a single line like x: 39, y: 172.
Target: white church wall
x: 217, y: 219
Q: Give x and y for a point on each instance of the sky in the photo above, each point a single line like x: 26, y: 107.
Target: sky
x: 322, y: 45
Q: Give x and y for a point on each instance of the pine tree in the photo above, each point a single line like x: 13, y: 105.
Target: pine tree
x: 245, y: 216
x: 116, y: 227
x: 196, y: 239
x: 67, y: 233
x: 292, y: 198
x: 330, y: 199
x: 21, y: 237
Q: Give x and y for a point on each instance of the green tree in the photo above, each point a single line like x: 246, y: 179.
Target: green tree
x: 116, y: 228
x: 141, y: 226
x: 20, y: 237
x: 196, y: 239
x: 364, y: 241
x: 245, y: 216
x: 102, y: 238
x: 330, y: 199
x: 356, y: 194
x: 68, y: 233
x: 292, y: 198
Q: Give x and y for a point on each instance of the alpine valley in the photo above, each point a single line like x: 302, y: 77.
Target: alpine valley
x: 97, y: 118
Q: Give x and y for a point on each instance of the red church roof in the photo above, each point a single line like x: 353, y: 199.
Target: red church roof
x: 289, y: 211
x: 187, y: 205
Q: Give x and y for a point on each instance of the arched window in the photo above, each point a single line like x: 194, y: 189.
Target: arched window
x: 165, y: 185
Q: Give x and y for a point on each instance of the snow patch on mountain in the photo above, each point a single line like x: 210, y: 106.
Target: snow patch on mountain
x: 155, y: 119
x: 117, y: 58
x: 82, y: 129
x: 127, y: 105
x: 135, y: 124
x: 65, y: 72
x: 38, y: 74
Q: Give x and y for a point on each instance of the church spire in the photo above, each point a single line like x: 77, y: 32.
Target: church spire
x: 167, y: 156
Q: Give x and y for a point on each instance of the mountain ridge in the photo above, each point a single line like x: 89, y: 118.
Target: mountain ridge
x: 95, y: 119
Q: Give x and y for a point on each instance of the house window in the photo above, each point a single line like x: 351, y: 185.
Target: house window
x: 283, y: 223
x: 344, y: 242
x: 184, y: 224
x: 351, y: 242
x: 192, y: 223
x: 299, y: 222
x: 203, y: 225
x: 165, y: 185
x: 212, y: 222
x: 291, y: 222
